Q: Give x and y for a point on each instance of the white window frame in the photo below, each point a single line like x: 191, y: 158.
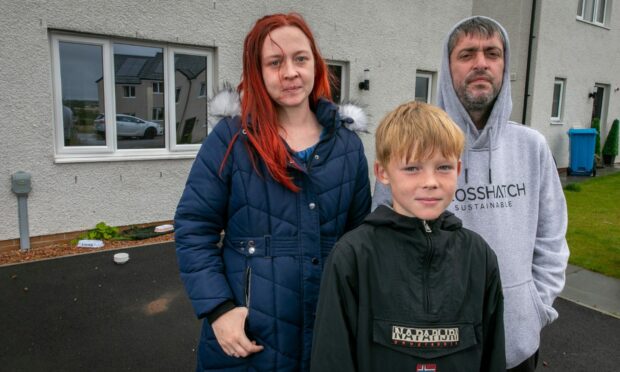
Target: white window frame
x: 428, y: 75
x: 558, y: 118
x: 76, y: 151
x: 581, y: 11
x: 110, y: 151
x: 171, y: 112
x: 344, y: 81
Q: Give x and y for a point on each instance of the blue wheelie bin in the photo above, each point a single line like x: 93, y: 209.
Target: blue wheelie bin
x: 581, y: 160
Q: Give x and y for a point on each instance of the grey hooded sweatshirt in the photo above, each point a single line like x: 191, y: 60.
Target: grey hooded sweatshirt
x: 510, y: 193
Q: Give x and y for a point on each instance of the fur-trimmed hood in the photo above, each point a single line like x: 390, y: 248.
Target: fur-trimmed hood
x: 226, y: 103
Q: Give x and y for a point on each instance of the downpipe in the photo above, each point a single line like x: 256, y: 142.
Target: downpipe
x: 21, y: 186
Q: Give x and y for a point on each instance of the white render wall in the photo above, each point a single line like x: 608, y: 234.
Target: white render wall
x: 583, y: 54
x: 391, y: 38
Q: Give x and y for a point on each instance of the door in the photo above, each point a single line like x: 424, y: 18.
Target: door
x: 599, y: 107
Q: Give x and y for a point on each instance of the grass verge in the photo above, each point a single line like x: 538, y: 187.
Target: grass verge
x: 594, y: 224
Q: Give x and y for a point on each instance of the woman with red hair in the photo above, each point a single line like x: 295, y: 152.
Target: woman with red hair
x: 283, y: 179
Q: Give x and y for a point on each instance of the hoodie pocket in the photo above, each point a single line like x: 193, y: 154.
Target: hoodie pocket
x: 426, y: 341
x: 538, y: 304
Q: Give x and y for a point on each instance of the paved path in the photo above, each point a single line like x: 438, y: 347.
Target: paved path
x: 593, y: 290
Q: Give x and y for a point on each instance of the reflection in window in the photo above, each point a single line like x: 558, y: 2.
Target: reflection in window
x: 158, y: 87
x: 423, y: 86
x: 129, y: 91
x: 190, y: 75
x: 558, y: 97
x: 338, y: 81
x: 135, y: 69
x: 158, y: 113
x: 112, y: 97
x: 177, y: 94
x: 81, y: 69
x: 335, y: 83
x: 600, y: 11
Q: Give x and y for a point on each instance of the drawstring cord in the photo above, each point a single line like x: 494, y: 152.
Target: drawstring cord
x: 466, y: 157
x: 490, y: 154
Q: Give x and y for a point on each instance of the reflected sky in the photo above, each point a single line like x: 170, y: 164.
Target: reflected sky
x: 80, y: 68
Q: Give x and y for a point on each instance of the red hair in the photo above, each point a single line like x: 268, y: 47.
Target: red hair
x: 259, y: 116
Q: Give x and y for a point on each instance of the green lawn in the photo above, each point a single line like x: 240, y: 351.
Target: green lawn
x: 594, y: 224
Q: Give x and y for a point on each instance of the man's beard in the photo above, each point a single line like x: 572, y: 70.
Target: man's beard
x: 477, y: 102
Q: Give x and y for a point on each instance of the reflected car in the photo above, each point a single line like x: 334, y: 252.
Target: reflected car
x: 130, y: 126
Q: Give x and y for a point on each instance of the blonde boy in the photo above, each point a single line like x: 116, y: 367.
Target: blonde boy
x: 411, y: 289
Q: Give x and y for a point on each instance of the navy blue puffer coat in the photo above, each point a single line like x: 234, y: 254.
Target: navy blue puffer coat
x: 275, y: 243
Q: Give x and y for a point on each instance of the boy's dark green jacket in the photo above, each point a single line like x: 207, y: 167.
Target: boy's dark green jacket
x: 399, y: 293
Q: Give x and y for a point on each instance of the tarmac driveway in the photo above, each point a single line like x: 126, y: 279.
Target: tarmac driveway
x: 87, y: 313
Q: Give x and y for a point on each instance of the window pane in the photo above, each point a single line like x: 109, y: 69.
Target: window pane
x: 158, y: 87
x: 135, y: 69
x: 81, y: 77
x: 557, y: 96
x: 336, y: 84
x: 421, y: 88
x: 600, y: 13
x: 158, y: 114
x: 190, y: 75
x: 589, y: 10
x: 580, y: 8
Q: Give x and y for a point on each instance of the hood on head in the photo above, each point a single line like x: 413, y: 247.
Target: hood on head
x: 226, y: 103
x: 449, y: 101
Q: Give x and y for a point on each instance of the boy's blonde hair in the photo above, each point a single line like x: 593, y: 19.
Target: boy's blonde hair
x: 417, y: 130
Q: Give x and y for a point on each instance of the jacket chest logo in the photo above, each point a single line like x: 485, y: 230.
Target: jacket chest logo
x: 426, y: 368
x: 425, y: 337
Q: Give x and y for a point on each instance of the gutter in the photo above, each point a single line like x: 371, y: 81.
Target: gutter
x: 526, y: 95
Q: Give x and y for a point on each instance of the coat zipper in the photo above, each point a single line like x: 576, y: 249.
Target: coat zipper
x: 427, y: 299
x: 248, y: 286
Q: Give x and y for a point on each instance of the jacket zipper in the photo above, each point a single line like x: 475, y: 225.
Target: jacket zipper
x: 427, y: 296
x: 248, y: 286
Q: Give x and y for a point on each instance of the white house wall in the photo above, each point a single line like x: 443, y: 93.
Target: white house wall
x: 581, y: 53
x: 391, y: 38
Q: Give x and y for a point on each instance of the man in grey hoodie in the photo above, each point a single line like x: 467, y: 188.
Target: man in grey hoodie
x: 509, y: 191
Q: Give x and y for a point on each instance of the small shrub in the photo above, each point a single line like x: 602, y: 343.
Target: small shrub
x: 101, y: 232
x: 610, y: 147
x: 572, y: 187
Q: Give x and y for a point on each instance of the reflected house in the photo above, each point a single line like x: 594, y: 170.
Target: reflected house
x: 190, y: 97
x: 139, y: 91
